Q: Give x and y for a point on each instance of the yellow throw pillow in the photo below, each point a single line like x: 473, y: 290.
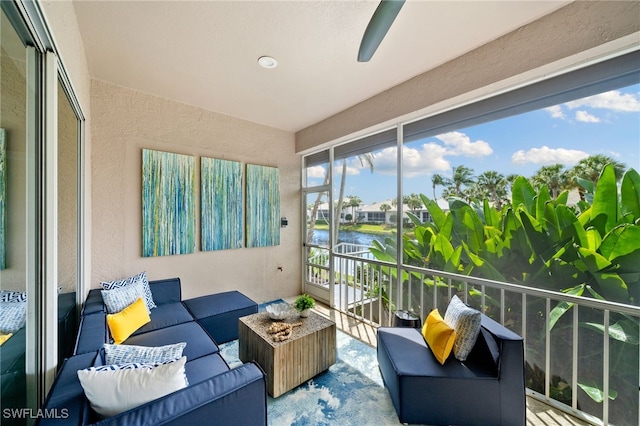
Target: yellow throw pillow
x: 126, y: 322
x: 439, y: 336
x: 4, y: 337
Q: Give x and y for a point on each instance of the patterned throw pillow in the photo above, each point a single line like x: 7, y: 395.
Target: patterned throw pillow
x: 119, y: 298
x: 13, y: 316
x: 12, y: 296
x: 113, y: 389
x: 122, y: 354
x: 142, y: 277
x: 466, y: 322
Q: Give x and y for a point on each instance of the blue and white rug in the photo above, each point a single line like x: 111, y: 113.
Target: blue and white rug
x: 351, y: 392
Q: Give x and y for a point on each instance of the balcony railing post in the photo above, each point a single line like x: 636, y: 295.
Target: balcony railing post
x: 605, y: 370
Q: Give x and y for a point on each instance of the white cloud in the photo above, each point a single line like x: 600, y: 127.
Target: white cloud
x: 612, y: 100
x: 427, y: 159
x: 460, y: 144
x: 352, y: 170
x: 556, y: 112
x: 546, y: 155
x: 585, y: 117
x: 316, y: 172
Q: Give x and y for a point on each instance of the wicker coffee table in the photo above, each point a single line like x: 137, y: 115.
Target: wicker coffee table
x: 310, y: 350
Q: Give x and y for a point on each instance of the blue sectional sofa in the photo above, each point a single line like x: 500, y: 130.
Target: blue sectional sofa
x: 486, y: 389
x: 216, y: 394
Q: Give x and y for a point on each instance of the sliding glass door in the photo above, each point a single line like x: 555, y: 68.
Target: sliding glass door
x: 17, y: 222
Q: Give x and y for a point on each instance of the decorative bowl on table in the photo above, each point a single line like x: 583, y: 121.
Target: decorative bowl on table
x: 278, y: 311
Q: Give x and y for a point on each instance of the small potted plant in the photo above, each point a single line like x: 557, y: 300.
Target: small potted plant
x: 303, y: 304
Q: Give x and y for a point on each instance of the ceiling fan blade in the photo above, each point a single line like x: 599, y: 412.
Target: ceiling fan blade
x: 380, y: 23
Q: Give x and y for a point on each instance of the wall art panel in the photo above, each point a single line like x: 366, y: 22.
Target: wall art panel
x: 3, y: 197
x: 220, y: 204
x: 263, y: 206
x: 168, y: 204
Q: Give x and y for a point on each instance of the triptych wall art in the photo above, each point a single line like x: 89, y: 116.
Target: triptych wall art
x: 168, y: 205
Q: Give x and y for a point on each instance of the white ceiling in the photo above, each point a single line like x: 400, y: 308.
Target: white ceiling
x: 204, y: 53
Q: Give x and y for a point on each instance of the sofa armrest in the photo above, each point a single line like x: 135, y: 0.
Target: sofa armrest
x: 235, y: 397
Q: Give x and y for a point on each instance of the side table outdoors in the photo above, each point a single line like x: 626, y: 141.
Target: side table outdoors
x: 310, y: 350
x: 406, y: 319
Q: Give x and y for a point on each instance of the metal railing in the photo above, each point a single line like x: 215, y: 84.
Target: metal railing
x: 578, y: 350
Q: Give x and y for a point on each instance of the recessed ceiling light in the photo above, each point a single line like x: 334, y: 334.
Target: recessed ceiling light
x: 267, y: 62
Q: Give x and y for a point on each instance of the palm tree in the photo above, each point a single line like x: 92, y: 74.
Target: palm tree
x: 384, y: 207
x: 364, y: 159
x: 553, y: 177
x: 590, y: 168
x: 492, y: 185
x: 314, y: 211
x: 412, y: 201
x: 462, y: 176
x: 437, y: 180
x: 353, y: 202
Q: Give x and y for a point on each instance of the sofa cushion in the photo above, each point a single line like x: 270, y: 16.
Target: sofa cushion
x: 439, y: 336
x: 165, y: 316
x: 94, y: 302
x: 66, y: 392
x: 166, y: 291
x: 92, y: 333
x: 466, y: 322
x: 198, y: 341
x: 123, y: 354
x: 218, y: 313
x: 124, y: 323
x: 412, y: 357
x: 205, y: 367
x: 138, y: 278
x: 114, y: 389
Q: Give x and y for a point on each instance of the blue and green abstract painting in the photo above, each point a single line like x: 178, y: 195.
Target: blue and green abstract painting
x: 263, y: 206
x: 220, y: 204
x: 3, y: 197
x: 168, y: 203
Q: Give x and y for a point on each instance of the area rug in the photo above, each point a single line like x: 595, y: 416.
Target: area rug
x: 351, y: 392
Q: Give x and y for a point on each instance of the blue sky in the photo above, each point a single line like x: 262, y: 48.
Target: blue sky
x: 608, y: 123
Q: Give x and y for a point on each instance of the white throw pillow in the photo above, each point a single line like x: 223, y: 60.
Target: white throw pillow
x: 122, y: 354
x: 114, y: 389
x: 119, y: 298
x: 142, y: 277
x: 13, y: 316
x: 466, y: 322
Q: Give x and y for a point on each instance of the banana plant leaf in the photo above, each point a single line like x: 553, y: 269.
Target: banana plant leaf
x: 630, y: 195
x: 624, y: 331
x: 604, y: 212
x: 593, y: 390
x: 622, y: 240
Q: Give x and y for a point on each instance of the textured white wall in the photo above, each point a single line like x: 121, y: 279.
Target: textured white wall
x: 123, y: 123
x: 573, y: 29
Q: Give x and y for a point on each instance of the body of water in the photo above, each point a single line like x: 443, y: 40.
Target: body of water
x: 321, y: 237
